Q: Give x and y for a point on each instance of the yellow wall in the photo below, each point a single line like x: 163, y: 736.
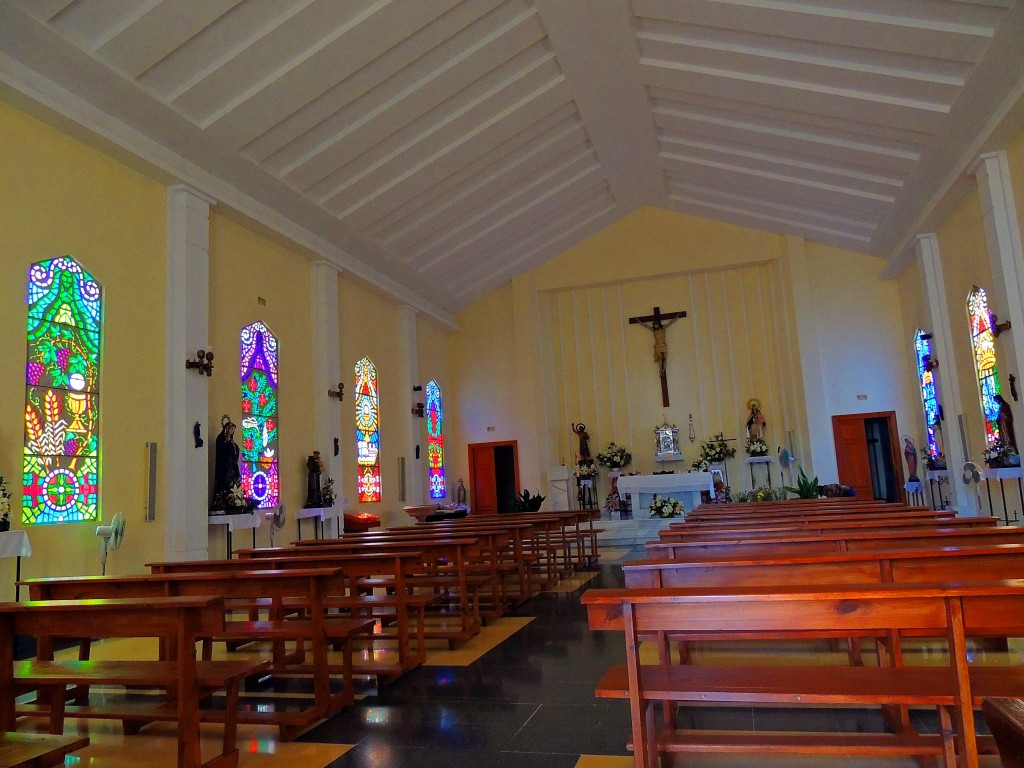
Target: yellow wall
x: 60, y: 197
x: 244, y: 268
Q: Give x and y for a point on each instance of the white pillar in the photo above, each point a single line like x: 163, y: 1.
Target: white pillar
x: 327, y: 372
x: 413, y: 430
x: 186, y: 467
x: 948, y: 386
x: 822, y: 461
x: 1002, y: 239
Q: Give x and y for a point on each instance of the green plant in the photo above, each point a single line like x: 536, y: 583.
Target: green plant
x: 805, y: 489
x: 524, y: 502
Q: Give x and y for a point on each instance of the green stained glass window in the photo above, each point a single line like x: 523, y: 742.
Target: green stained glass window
x: 60, y: 483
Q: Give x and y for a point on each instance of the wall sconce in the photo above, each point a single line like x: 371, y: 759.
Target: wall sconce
x: 417, y: 410
x: 203, y: 363
x: 338, y: 393
x: 997, y: 327
x: 417, y: 388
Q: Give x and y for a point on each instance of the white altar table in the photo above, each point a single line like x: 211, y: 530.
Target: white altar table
x: 682, y: 486
x: 15, y: 544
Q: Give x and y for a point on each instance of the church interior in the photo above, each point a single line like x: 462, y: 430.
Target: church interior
x: 426, y: 240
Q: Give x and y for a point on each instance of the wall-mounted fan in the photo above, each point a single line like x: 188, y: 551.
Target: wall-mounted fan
x: 276, y: 518
x: 111, y: 537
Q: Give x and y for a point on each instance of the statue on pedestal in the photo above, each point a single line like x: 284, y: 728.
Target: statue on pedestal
x: 314, y: 469
x: 226, y: 474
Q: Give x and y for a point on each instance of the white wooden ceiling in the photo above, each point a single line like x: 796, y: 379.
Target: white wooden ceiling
x: 450, y: 145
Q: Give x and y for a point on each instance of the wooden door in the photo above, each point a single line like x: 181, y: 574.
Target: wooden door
x: 852, y: 452
x: 484, y: 500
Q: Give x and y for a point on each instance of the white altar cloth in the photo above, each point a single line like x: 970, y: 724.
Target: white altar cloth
x: 682, y: 486
x: 15, y: 544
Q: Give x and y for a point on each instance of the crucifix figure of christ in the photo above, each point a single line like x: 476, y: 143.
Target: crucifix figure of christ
x: 657, y: 323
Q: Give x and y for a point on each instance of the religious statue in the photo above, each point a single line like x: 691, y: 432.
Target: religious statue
x: 1005, y: 422
x: 756, y: 423
x: 225, y: 467
x: 460, y: 494
x: 584, y: 436
x: 910, y: 454
x: 657, y: 323
x: 314, y: 469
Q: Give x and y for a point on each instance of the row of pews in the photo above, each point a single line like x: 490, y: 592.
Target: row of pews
x: 322, y: 609
x: 818, y: 576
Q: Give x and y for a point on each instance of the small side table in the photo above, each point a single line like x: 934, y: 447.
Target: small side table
x: 15, y: 544
x: 766, y: 461
x: 936, y: 479
x: 239, y: 522
x: 915, y: 492
x: 1000, y: 474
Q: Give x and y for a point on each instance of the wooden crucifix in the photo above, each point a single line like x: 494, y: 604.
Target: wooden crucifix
x: 657, y: 323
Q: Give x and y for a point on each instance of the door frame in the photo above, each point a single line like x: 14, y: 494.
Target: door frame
x: 894, y: 444
x: 471, y: 447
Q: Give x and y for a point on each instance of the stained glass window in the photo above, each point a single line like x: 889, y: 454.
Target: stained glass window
x: 435, y: 441
x: 367, y: 431
x: 62, y: 452
x: 983, y: 344
x: 929, y: 396
x: 259, y: 416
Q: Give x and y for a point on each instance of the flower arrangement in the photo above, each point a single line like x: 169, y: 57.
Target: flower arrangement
x: 235, y: 498
x: 712, y: 451
x: 327, y: 492
x: 1000, y: 454
x: 761, y: 493
x: 665, y: 507
x: 756, y: 446
x: 614, y: 457
x: 935, y: 462
x: 585, y: 470
x: 5, y: 505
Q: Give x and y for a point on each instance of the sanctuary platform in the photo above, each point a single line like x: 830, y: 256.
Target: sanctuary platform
x: 629, y: 533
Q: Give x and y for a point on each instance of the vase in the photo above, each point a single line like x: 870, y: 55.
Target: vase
x: 5, y: 524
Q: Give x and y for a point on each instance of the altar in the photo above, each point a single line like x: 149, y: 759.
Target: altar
x: 683, y: 486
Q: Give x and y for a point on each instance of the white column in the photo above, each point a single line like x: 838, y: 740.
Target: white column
x: 948, y: 386
x: 819, y: 422
x: 186, y: 467
x: 413, y: 426
x: 327, y: 372
x: 1002, y: 239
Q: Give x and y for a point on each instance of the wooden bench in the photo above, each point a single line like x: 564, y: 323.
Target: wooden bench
x: 1005, y: 718
x: 779, y: 530
x: 954, y: 611
x: 794, y: 520
x: 796, y: 544
x: 180, y: 621
x: 37, y: 750
x: 400, y: 612
x: 311, y: 586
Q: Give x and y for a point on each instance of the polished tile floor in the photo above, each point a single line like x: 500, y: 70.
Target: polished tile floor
x: 519, y: 696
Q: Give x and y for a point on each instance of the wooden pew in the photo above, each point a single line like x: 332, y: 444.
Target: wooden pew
x: 780, y: 530
x: 445, y: 569
x: 178, y: 620
x: 37, y: 750
x: 399, y: 611
x: 954, y: 611
x: 796, y: 544
x: 793, y: 507
x: 311, y: 586
x: 824, y: 516
x: 1005, y: 718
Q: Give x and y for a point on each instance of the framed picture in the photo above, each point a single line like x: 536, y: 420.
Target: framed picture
x: 667, y: 443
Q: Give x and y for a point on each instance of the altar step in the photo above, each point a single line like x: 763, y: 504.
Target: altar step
x: 627, y: 533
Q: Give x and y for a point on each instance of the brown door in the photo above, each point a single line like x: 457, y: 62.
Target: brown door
x: 484, y: 500
x: 494, y: 469
x: 867, y: 455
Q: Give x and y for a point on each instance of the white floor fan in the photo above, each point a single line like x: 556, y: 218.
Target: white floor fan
x: 111, y: 537
x: 972, y: 478
x: 276, y: 518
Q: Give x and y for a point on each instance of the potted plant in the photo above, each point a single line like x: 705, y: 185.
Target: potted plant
x: 524, y: 502
x: 327, y: 492
x: 805, y: 488
x: 713, y: 451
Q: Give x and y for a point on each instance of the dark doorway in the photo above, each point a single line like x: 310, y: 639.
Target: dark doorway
x: 880, y: 462
x: 494, y: 477
x: 867, y: 455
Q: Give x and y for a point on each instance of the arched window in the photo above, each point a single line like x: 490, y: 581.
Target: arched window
x: 984, y: 347
x: 367, y: 431
x: 929, y: 397
x: 259, y: 470
x: 62, y: 451
x: 435, y: 440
